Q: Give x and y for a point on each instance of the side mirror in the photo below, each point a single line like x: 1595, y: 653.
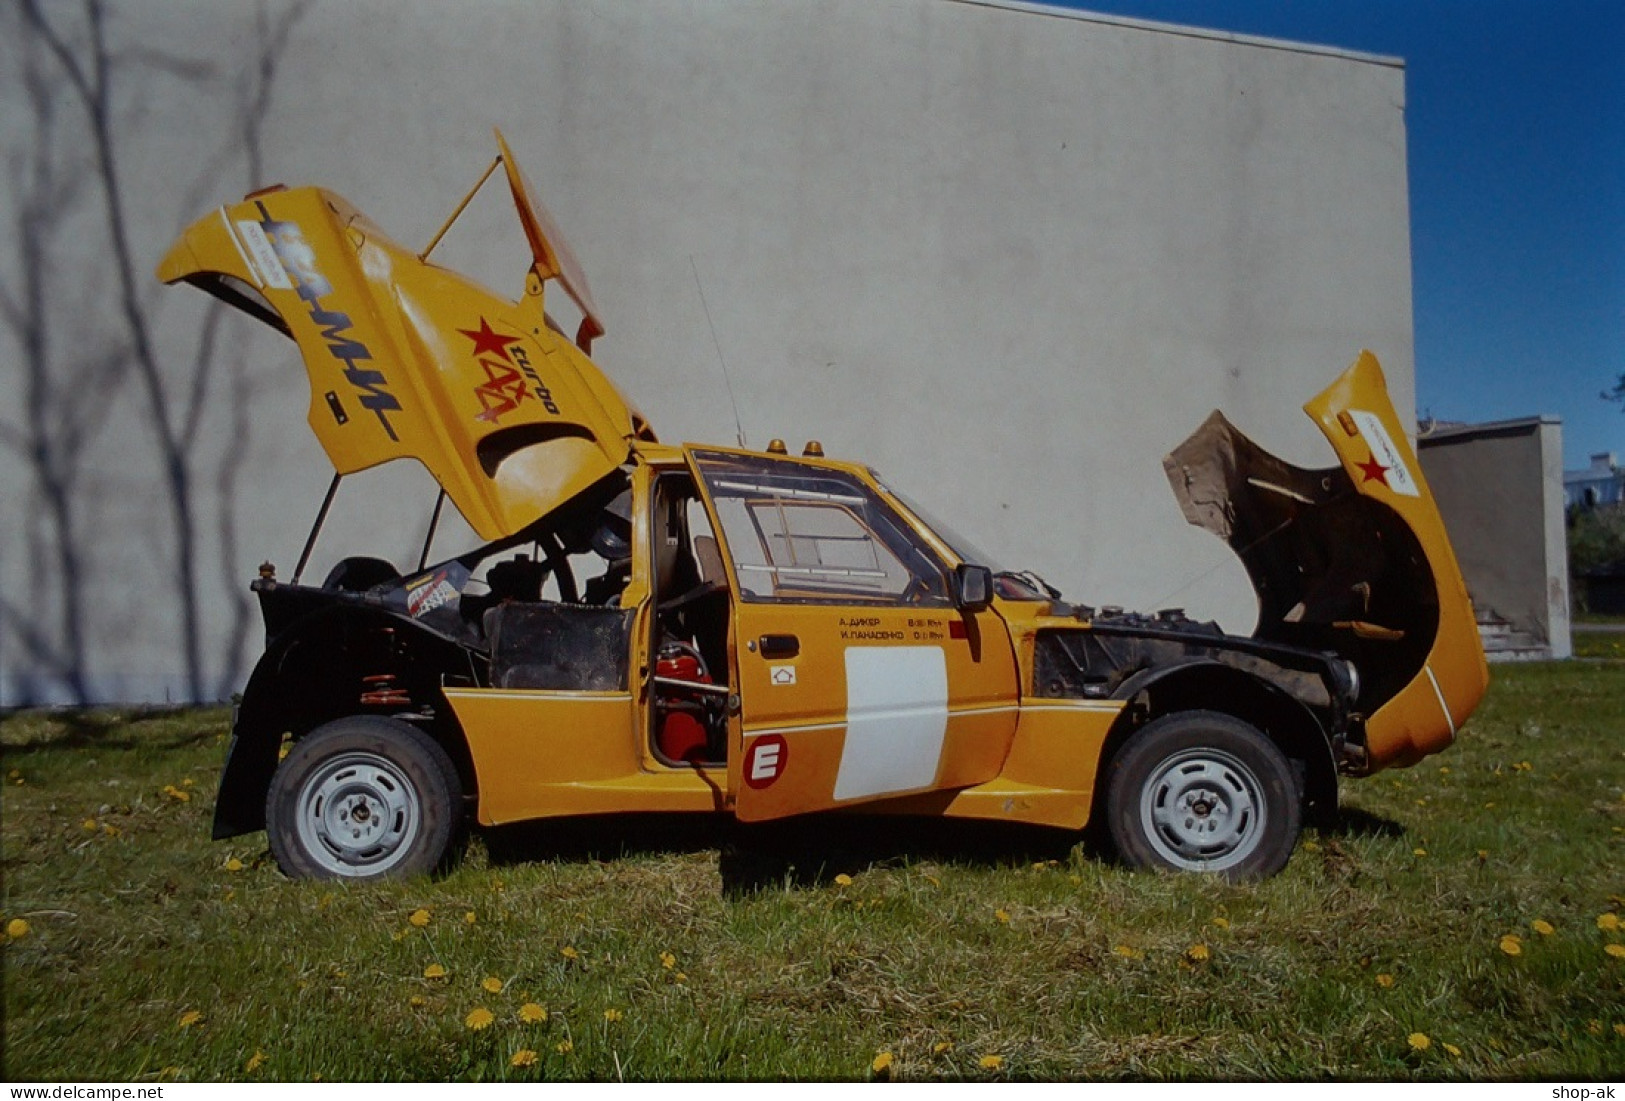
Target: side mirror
x: 973, y: 587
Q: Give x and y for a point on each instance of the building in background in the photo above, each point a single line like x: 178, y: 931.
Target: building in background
x: 1601, y: 483
x: 1010, y: 255
x: 1500, y: 490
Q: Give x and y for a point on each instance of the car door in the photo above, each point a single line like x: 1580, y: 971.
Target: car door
x: 859, y: 678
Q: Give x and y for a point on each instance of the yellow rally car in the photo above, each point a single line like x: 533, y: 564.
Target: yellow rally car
x: 709, y: 629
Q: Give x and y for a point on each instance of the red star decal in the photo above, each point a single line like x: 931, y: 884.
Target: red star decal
x: 1374, y: 471
x: 487, y: 341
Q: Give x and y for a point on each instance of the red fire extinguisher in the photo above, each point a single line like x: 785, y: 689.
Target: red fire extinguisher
x: 681, y: 735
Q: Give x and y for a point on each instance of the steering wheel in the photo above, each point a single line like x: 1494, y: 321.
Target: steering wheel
x: 704, y: 588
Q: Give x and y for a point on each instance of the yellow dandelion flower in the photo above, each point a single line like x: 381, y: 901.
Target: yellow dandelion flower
x: 524, y: 1057
x: 1197, y: 953
x: 1608, y: 922
x: 1616, y: 950
x: 843, y: 880
x: 1512, y: 945
x: 882, y: 1063
x: 479, y: 1017
x: 17, y: 928
x: 991, y: 1062
x: 1419, y: 852
x: 434, y: 971
x: 531, y: 1013
x: 177, y: 794
x: 110, y: 830
x: 189, y: 1018
x: 417, y: 1001
x: 1222, y: 922
x: 942, y: 1047
x: 1453, y: 1051
x: 419, y: 918
x: 1419, y: 1041
x: 234, y: 865
x: 1128, y: 953
x: 188, y: 782
x: 933, y: 880
x: 569, y: 953
x: 492, y: 985
x: 470, y: 918
x: 1076, y: 880
x: 1594, y: 1027
x: 1619, y: 1029
x: 564, y: 1047
x: 1385, y: 980
x: 255, y: 1062
x: 613, y: 1015
x: 89, y: 825
x: 1542, y: 926
x: 1003, y: 916
x: 681, y: 976
x: 1483, y: 855
x: 667, y: 960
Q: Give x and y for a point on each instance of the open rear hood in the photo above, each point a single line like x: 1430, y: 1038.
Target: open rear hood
x: 410, y: 360
x: 1353, y: 559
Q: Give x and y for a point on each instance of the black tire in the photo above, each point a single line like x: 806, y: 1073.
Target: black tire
x: 1205, y: 792
x: 363, y: 797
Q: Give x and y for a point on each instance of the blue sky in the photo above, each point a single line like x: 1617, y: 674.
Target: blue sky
x: 1516, y: 121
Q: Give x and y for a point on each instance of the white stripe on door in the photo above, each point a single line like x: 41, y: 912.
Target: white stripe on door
x: 896, y: 720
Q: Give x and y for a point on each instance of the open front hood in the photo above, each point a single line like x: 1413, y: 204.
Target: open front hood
x: 1352, y: 559
x: 407, y: 359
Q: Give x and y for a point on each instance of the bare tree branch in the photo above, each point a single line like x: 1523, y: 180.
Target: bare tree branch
x: 68, y: 70
x: 192, y: 70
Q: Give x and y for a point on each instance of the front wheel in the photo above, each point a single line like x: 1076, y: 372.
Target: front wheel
x: 363, y: 797
x: 1200, y: 791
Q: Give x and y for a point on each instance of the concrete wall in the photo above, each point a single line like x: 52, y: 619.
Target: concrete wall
x: 1009, y: 255
x: 1500, y: 491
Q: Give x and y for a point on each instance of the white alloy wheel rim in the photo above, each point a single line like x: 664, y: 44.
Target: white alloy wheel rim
x: 358, y: 815
x: 1203, y: 810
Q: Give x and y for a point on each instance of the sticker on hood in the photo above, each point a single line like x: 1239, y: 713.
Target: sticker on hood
x: 1385, y: 464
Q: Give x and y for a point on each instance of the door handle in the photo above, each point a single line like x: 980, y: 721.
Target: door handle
x: 779, y: 646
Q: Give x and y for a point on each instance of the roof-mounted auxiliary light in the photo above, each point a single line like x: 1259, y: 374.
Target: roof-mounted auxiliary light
x: 814, y: 450
x: 776, y: 447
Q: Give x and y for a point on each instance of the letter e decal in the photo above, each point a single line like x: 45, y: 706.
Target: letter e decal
x: 765, y: 762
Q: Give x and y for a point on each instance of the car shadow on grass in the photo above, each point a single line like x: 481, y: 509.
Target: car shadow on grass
x: 799, y: 852
x: 1358, y: 822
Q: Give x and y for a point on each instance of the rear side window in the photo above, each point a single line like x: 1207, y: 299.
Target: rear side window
x: 800, y: 534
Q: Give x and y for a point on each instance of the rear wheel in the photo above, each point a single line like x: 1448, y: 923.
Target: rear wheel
x: 363, y: 797
x: 1201, y: 791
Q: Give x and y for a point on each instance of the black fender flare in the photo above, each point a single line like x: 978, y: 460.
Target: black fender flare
x: 282, y: 697
x: 1208, y: 684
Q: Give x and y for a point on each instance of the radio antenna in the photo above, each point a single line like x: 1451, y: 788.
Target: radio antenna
x: 726, y: 382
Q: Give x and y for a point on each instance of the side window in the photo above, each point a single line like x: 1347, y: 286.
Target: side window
x: 800, y: 534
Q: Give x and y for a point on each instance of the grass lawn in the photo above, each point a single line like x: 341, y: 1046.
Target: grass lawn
x: 1461, y: 923
x: 1598, y: 644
